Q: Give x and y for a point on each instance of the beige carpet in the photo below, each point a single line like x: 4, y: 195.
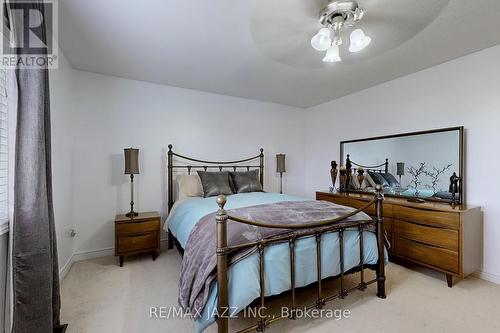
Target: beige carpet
x: 99, y: 296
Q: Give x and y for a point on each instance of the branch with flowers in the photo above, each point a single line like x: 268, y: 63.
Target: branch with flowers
x: 434, y: 175
x: 416, y: 173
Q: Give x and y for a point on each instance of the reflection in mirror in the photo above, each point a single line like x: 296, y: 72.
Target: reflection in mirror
x: 414, y: 165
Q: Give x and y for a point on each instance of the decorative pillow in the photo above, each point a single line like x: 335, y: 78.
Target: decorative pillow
x: 378, y: 179
x: 215, y: 183
x: 445, y: 195
x: 189, y: 186
x: 370, y: 180
x: 248, y: 181
x: 390, y: 179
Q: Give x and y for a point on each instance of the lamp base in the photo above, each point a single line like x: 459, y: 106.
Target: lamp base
x: 131, y: 214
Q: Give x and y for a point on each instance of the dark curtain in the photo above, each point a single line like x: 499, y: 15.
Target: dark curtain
x: 35, y: 272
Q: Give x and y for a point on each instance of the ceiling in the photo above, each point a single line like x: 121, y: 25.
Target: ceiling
x: 260, y: 49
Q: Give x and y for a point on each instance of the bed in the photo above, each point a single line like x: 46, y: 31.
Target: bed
x: 278, y: 264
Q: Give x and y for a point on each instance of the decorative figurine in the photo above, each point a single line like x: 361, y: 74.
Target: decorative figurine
x: 333, y: 173
x: 343, y: 178
x: 361, y: 177
x: 348, y: 166
x: 454, y: 188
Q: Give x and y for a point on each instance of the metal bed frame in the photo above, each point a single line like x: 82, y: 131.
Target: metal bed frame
x: 373, y: 168
x: 316, y: 229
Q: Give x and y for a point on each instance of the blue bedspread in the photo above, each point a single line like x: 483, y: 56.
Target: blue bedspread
x: 187, y: 213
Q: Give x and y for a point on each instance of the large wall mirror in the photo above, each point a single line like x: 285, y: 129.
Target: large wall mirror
x: 412, y: 165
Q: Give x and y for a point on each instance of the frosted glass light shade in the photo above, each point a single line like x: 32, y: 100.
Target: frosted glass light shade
x: 322, y: 40
x: 332, y: 55
x: 359, y: 41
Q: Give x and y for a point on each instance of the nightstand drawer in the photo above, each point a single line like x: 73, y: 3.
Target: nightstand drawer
x: 137, y: 242
x: 137, y: 227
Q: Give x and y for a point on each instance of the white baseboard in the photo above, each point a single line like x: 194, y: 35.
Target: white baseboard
x: 92, y: 254
x: 487, y: 276
x: 65, y: 269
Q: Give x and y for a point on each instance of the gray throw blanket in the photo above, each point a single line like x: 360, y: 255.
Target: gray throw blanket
x: 199, y: 263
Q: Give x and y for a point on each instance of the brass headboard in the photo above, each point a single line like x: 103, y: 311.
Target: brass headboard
x: 205, y: 165
x: 374, y: 168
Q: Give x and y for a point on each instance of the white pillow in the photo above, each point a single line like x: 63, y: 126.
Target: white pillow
x: 189, y: 186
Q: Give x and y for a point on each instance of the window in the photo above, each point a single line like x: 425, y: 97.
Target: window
x: 4, y: 152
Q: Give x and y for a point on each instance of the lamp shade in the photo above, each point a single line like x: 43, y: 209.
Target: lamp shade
x: 280, y: 163
x: 400, y: 169
x: 131, y: 161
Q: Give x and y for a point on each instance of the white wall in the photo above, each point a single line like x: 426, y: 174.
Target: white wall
x: 461, y: 92
x: 62, y: 105
x: 114, y: 113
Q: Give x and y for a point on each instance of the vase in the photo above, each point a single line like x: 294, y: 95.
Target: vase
x: 333, y: 173
x: 343, y: 180
x: 361, y: 177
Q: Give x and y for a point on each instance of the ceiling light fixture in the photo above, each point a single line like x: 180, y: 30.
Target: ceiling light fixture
x: 335, y: 18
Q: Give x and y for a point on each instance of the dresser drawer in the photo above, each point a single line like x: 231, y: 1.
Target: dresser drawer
x: 349, y: 202
x: 427, y: 217
x: 138, y: 227
x: 337, y: 200
x: 445, y: 238
x: 137, y: 242
x: 430, y: 255
x: 360, y: 203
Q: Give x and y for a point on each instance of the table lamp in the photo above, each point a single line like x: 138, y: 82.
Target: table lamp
x: 400, y: 171
x: 280, y: 168
x: 131, y: 168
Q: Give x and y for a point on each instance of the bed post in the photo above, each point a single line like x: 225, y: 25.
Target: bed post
x: 386, y: 165
x: 380, y: 242
x: 170, y: 170
x: 222, y: 304
x: 261, y: 167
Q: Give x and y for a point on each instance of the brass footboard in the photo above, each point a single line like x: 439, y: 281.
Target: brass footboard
x: 318, y: 228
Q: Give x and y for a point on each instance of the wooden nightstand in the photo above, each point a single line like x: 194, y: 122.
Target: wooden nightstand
x: 137, y: 235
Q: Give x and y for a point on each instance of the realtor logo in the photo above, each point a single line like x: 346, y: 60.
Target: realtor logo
x: 25, y: 44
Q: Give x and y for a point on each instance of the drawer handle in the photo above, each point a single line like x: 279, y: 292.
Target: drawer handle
x: 139, y: 235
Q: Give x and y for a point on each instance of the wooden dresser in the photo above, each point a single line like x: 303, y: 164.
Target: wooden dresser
x: 432, y: 234
x: 137, y: 235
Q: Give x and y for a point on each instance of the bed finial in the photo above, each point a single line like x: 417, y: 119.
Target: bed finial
x: 378, y: 189
x: 221, y: 201
x: 170, y: 147
x: 261, y: 151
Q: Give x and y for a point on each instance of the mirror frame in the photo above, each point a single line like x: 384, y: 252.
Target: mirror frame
x: 461, y: 157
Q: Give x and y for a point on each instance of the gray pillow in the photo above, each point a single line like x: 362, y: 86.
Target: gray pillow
x: 444, y: 195
x: 378, y: 178
x: 245, y: 182
x: 215, y: 183
x: 390, y: 179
